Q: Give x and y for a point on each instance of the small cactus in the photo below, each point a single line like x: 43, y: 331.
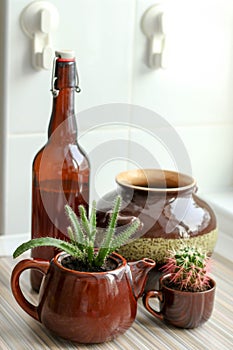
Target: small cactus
x: 189, y: 267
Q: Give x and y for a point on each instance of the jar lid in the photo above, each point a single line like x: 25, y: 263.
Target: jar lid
x: 65, y: 54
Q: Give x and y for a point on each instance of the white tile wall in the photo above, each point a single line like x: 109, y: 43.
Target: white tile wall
x: 193, y: 94
x: 21, y: 150
x: 210, y: 148
x: 222, y: 203
x: 108, y: 151
x: 99, y: 32
x: 149, y: 150
x: 194, y: 88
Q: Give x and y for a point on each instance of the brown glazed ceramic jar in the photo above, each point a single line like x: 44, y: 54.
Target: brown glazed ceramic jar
x: 179, y: 308
x: 86, y: 307
x: 169, y: 210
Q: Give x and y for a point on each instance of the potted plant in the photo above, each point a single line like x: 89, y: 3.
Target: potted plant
x: 186, y: 291
x: 87, y: 295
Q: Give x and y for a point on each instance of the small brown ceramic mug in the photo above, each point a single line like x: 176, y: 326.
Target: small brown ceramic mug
x: 180, y: 308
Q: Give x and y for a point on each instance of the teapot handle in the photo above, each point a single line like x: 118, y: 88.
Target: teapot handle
x: 40, y: 265
x: 153, y: 294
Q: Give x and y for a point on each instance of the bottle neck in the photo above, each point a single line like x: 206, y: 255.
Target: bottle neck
x: 63, y: 126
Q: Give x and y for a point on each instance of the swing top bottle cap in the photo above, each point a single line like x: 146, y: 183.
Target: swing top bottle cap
x: 65, y: 55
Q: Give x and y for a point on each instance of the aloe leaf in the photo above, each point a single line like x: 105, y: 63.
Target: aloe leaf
x: 84, y: 221
x: 90, y: 253
x: 70, y: 234
x: 90, y: 229
x: 112, y: 224
x: 93, y: 222
x: 77, y: 229
x: 106, y: 244
x: 48, y: 241
x: 123, y: 237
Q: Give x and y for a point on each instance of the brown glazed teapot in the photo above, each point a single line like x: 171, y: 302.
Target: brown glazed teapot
x: 86, y: 307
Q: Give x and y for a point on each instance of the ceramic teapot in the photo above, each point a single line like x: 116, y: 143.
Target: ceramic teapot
x: 86, y: 307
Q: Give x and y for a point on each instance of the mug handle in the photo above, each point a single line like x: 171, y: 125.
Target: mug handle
x: 40, y: 265
x: 153, y: 294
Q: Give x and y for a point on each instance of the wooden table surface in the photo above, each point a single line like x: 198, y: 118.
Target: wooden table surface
x: 18, y: 331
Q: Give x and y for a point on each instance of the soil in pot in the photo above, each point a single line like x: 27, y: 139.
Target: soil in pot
x: 73, y: 263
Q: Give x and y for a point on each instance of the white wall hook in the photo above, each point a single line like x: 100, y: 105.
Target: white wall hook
x: 38, y: 20
x: 152, y: 25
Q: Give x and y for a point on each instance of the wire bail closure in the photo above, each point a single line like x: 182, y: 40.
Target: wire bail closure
x: 54, y: 91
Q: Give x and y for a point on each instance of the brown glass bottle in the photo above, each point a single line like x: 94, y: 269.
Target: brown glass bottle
x: 60, y: 169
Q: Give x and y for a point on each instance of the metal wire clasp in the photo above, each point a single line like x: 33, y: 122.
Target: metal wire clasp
x: 77, y: 88
x: 54, y: 91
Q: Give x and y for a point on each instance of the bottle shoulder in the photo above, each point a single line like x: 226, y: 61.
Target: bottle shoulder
x: 38, y: 155
x: 60, y: 156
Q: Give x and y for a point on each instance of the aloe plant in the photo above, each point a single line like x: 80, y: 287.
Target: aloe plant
x: 82, y: 233
x: 190, y: 267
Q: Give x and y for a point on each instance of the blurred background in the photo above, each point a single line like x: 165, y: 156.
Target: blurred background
x: 193, y: 94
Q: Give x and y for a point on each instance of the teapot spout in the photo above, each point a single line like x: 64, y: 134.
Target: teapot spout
x: 139, y: 270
